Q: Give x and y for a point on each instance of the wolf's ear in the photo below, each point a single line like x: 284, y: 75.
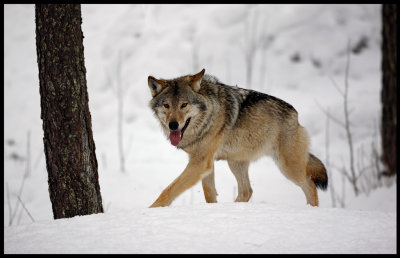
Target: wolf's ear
x: 155, y: 85
x: 195, y: 80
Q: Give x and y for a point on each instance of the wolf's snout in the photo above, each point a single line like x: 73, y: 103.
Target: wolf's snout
x: 173, y: 125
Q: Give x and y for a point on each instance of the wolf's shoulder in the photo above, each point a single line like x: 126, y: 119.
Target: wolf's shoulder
x: 246, y: 98
x: 210, y: 79
x: 228, y: 91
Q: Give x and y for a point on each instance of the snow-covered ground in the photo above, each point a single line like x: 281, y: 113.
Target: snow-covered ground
x: 305, y: 54
x: 212, y: 228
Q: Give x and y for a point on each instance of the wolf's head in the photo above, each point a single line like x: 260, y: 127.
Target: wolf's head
x: 177, y: 104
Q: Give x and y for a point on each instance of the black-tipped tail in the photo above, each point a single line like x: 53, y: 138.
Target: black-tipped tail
x: 316, y: 170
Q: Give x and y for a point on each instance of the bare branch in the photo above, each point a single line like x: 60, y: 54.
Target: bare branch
x: 331, y: 187
x: 362, y: 171
x: 19, y: 193
x: 347, y: 123
x: 340, y: 200
x: 21, y: 211
x: 28, y: 155
x: 351, y: 111
x: 23, y: 206
x: 336, y: 86
x: 334, y: 119
x: 343, y: 191
x: 24, y: 177
x: 10, y: 218
x: 343, y: 171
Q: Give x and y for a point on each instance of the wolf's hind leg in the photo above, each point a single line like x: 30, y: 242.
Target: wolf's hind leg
x: 292, y: 160
x: 296, y: 172
x: 310, y: 190
x: 240, y: 170
x: 208, y: 183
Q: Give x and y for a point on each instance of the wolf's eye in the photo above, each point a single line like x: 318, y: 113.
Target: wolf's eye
x: 166, y: 105
x: 184, y: 105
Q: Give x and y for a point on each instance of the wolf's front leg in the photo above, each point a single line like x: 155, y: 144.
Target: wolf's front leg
x: 189, y: 177
x: 208, y: 183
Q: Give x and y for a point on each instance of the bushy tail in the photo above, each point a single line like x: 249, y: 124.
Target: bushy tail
x: 316, y: 170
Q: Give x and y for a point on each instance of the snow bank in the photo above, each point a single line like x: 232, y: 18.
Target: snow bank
x: 212, y: 228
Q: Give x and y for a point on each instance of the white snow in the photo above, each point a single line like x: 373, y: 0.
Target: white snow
x: 165, y: 41
x: 211, y: 228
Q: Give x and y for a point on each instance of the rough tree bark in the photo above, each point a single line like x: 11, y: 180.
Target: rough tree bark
x: 389, y: 87
x: 68, y: 141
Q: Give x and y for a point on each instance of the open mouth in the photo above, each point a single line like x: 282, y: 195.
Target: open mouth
x: 176, y: 136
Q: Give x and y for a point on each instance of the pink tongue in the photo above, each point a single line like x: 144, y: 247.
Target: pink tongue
x: 175, y: 137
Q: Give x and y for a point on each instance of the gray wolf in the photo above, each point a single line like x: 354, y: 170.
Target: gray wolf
x: 213, y: 121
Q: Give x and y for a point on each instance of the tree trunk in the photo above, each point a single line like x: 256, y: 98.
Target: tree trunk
x: 389, y: 87
x: 68, y: 141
